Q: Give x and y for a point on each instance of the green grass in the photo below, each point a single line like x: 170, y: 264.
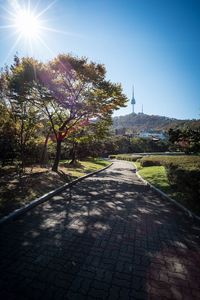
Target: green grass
x: 84, y: 167
x: 156, y: 175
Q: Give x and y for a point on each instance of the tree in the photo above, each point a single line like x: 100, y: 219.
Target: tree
x: 8, y: 140
x: 76, y: 91
x: 17, y: 92
x: 90, y: 140
x: 186, y: 139
x: 139, y: 144
x: 56, y: 100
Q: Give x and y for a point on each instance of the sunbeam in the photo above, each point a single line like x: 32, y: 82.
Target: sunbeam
x: 46, y: 28
x: 46, y: 8
x: 13, y: 47
x: 45, y: 45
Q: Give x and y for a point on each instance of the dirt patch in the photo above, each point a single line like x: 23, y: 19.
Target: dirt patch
x: 16, y: 191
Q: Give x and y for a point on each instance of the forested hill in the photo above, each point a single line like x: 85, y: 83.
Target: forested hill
x: 140, y: 121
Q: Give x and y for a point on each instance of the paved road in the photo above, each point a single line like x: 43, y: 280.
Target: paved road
x: 115, y: 239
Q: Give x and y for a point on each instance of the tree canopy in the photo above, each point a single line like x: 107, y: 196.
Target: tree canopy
x: 58, y: 98
x: 186, y: 139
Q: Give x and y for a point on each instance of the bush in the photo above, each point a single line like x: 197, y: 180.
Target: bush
x: 187, y: 182
x: 157, y: 160
x: 149, y: 162
x: 112, y: 156
x: 185, y: 161
x: 126, y: 157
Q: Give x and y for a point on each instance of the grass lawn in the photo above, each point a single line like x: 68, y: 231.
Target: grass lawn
x: 156, y: 175
x: 83, y: 167
x: 16, y: 192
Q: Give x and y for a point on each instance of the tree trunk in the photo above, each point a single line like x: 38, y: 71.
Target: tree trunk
x: 73, y: 154
x: 57, y: 158
x: 73, y: 158
x: 22, y: 146
x: 44, y: 152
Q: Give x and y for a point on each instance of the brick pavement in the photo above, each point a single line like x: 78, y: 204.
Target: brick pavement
x: 115, y: 239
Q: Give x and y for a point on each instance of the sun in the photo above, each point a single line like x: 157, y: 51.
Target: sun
x: 27, y: 24
x: 24, y: 20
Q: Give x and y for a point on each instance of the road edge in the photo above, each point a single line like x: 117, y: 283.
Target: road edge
x: 20, y: 211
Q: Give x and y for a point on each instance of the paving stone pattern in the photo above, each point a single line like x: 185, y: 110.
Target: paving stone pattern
x: 114, y: 239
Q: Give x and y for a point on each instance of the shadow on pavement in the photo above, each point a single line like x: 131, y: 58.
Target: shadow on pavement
x: 113, y: 239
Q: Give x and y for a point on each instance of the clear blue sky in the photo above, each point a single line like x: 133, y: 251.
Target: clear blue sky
x: 154, y: 44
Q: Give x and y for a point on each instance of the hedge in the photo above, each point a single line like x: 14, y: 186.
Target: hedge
x: 125, y: 157
x: 185, y: 161
x: 187, y: 183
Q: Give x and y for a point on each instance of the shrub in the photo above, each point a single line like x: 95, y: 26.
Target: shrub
x: 112, y: 156
x: 188, y: 161
x: 148, y: 162
x: 126, y: 157
x: 187, y: 182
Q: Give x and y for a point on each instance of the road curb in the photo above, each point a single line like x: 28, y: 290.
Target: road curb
x: 190, y: 213
x: 20, y: 211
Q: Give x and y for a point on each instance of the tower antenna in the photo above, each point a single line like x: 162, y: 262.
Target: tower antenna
x: 133, y: 102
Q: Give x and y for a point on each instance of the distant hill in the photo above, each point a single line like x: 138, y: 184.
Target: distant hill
x: 139, y: 122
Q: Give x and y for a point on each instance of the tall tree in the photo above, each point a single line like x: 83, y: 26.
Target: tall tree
x: 26, y: 117
x: 77, y: 91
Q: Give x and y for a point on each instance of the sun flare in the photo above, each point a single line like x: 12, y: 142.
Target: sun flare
x: 24, y: 19
x: 27, y: 24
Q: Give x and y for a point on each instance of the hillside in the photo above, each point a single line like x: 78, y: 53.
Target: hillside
x: 138, y: 122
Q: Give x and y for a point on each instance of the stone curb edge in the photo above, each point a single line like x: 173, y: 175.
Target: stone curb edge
x: 191, y: 214
x: 18, y: 212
